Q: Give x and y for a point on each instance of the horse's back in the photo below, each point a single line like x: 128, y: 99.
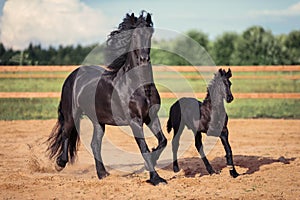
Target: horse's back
x: 80, y: 86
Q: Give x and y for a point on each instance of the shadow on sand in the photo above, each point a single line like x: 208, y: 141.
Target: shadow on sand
x: 194, y: 165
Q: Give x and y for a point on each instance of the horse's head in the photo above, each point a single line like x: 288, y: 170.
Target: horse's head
x: 226, y: 89
x: 141, y: 39
x: 130, y: 43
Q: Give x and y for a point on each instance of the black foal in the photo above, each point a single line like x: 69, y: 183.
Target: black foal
x: 208, y: 117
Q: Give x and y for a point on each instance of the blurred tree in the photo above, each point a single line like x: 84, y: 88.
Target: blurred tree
x: 257, y: 47
x: 2, y: 52
x: 200, y: 37
x: 223, y: 48
x: 292, y: 43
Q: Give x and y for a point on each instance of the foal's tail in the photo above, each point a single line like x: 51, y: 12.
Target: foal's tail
x: 171, y: 121
x: 169, y: 124
x: 174, y: 118
x: 58, y: 136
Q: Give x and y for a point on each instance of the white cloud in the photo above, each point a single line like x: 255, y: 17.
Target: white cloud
x: 293, y: 10
x: 51, y: 22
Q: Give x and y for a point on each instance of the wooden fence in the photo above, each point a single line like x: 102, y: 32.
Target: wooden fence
x: 22, y: 72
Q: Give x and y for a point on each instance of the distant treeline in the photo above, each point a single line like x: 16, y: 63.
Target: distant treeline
x: 255, y: 46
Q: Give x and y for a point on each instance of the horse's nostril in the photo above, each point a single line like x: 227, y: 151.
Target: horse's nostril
x: 144, y: 58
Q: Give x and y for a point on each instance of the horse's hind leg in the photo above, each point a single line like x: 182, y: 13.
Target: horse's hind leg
x: 63, y: 158
x: 199, y: 147
x: 178, y: 129
x: 96, y: 147
x: 225, y: 142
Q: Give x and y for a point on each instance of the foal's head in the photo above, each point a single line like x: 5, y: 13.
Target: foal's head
x: 220, y: 86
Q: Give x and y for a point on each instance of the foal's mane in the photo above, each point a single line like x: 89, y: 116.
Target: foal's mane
x: 214, y: 85
x: 215, y: 99
x: 118, y: 42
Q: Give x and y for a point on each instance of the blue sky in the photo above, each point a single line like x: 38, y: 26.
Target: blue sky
x: 53, y: 22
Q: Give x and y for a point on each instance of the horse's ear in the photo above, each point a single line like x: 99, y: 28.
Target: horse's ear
x: 132, y: 19
x: 149, y: 20
x: 229, y: 74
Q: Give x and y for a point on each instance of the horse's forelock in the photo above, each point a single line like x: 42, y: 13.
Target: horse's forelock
x: 119, y: 40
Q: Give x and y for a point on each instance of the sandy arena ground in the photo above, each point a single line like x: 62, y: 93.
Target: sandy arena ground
x: 266, y: 153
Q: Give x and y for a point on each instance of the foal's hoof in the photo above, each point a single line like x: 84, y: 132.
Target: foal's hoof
x: 157, y: 180
x: 102, y: 175
x: 233, y: 173
x: 176, y: 169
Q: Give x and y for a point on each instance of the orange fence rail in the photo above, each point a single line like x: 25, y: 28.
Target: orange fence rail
x: 166, y: 95
x: 158, y: 68
x: 157, y: 76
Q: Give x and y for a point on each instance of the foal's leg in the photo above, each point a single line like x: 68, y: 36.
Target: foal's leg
x: 155, y: 127
x: 199, y: 147
x: 137, y: 129
x: 225, y: 142
x: 96, y: 147
x: 175, y: 145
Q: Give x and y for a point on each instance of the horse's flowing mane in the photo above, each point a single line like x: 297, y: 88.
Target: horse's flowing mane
x: 118, y: 42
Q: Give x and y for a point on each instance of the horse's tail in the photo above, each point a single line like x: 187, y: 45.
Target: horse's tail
x: 57, y: 137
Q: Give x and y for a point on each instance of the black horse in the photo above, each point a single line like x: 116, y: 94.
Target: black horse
x: 208, y: 117
x: 122, y: 94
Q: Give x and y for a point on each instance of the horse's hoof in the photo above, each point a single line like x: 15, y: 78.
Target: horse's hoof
x: 58, y: 168
x: 157, y: 181
x: 60, y: 165
x: 233, y: 173
x: 102, y: 175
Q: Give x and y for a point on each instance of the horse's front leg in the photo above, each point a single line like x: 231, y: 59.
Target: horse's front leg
x: 96, y: 147
x: 155, y: 127
x: 137, y: 129
x: 225, y: 142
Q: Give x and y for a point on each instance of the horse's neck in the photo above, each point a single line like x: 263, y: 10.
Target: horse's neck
x: 132, y: 77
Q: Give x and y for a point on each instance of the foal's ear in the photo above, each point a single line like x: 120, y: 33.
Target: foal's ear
x: 222, y: 72
x: 229, y: 74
